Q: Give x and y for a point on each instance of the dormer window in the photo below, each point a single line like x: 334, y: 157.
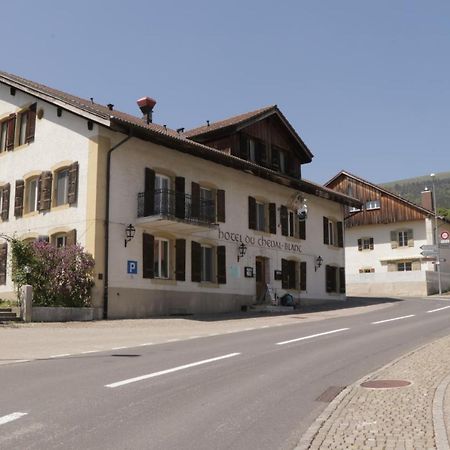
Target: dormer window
x: 373, y: 204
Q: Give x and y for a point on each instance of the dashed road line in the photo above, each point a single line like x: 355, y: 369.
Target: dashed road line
x: 119, y: 348
x: 312, y: 336
x: 394, y: 318
x: 11, y: 417
x: 439, y: 309
x: 165, y: 372
x: 145, y: 344
x: 60, y: 356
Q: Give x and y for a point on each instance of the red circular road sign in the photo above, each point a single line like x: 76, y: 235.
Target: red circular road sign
x: 445, y: 235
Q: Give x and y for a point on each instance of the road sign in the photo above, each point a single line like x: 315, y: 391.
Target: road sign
x: 445, y: 235
x: 132, y: 267
x: 429, y: 250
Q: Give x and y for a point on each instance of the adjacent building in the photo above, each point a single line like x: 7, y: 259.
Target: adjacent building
x: 386, y: 242
x: 208, y: 220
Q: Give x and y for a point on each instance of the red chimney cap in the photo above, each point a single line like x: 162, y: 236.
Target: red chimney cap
x: 146, y: 104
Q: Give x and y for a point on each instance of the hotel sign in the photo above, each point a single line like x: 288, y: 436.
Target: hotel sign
x: 259, y: 241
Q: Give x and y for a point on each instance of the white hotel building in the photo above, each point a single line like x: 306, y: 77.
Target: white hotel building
x: 214, y: 210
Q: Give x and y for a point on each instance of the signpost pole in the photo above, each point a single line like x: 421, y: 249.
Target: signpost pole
x: 436, y: 234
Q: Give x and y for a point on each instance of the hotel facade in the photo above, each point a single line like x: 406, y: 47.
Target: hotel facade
x: 213, y: 219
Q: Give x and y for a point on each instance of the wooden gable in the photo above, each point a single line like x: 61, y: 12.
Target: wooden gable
x: 379, y: 206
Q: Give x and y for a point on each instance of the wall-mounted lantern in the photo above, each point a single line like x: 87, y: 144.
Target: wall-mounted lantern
x: 130, y: 231
x: 242, y: 250
x: 317, y: 263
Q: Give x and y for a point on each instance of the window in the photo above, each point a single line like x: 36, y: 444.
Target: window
x: 251, y: 146
x: 282, y: 159
x: 289, y: 276
x: 60, y: 240
x: 32, y: 194
x: 161, y: 258
x: 23, y: 124
x: 3, y: 135
x: 402, y: 238
x: 292, y: 220
x: 367, y: 270
x: 330, y: 232
x: 373, y: 204
x: 162, y: 186
x: 404, y: 266
x: 331, y: 278
x: 207, y: 205
x: 353, y: 209
x: 207, y: 268
x: 62, y: 187
x: 260, y: 216
x: 365, y: 244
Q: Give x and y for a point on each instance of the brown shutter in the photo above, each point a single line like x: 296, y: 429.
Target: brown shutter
x: 326, y: 236
x: 71, y: 237
x: 410, y: 235
x: 340, y: 234
x: 275, y: 159
x: 221, y: 265
x: 195, y: 200
x: 3, y: 262
x: 220, y: 205
x: 272, y: 218
x: 5, y: 202
x: 360, y: 245
x: 285, y: 274
x: 31, y: 124
x: 251, y: 213
x: 180, y: 259
x: 148, y: 250
x: 303, y: 275
x: 329, y: 278
x: 394, y: 241
x: 18, y: 200
x: 179, y: 198
x: 284, y: 217
x: 11, y: 132
x: 302, y: 229
x: 342, y: 280
x: 45, y: 191
x: 243, y: 146
x: 72, y: 195
x: 149, y: 192
x: 371, y: 243
x: 196, y: 262
x: 415, y: 265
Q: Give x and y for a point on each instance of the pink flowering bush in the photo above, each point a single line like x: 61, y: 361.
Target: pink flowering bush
x: 60, y: 276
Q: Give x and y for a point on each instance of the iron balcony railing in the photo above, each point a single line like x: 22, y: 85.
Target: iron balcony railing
x: 176, y: 205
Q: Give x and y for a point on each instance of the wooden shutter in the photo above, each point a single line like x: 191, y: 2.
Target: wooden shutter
x: 148, y: 250
x: 394, y: 239
x: 410, y: 235
x: 243, y: 146
x: 45, y: 191
x: 251, y: 213
x: 285, y: 274
x: 149, y: 192
x: 11, y: 132
x: 180, y: 259
x: 340, y: 234
x: 221, y: 265
x: 3, y: 262
x: 415, y: 265
x: 303, y: 275
x: 179, y: 198
x: 272, y: 218
x: 220, y: 205
x: 275, y: 159
x: 284, y: 217
x: 360, y: 245
x: 31, y: 124
x: 71, y: 237
x: 196, y: 262
x: 5, y: 202
x: 342, y: 280
x: 302, y: 229
x: 72, y: 195
x: 371, y: 243
x: 329, y: 278
x: 326, y: 235
x: 195, y: 200
x: 18, y: 199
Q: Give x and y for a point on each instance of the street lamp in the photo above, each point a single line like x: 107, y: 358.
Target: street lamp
x: 436, y: 234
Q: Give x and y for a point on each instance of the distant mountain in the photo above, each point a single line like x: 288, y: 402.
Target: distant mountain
x: 412, y: 187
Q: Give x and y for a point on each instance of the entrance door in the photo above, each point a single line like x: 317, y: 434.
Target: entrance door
x: 260, y: 278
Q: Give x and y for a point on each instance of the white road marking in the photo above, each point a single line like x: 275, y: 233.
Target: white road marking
x: 192, y: 337
x: 313, y: 336
x: 164, y: 372
x: 172, y: 340
x: 11, y: 417
x: 118, y: 348
x: 391, y: 320
x: 60, y: 356
x: 265, y: 326
x: 90, y: 351
x: 439, y: 309
x: 146, y: 343
x: 21, y: 360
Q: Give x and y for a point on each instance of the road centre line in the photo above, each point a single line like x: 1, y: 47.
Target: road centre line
x: 313, y: 336
x: 11, y: 417
x: 167, y: 371
x: 439, y: 309
x: 60, y: 356
x: 391, y: 320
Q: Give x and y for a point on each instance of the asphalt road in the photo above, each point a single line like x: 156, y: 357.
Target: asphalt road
x: 255, y: 389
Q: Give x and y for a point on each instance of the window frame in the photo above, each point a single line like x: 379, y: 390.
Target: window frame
x: 158, y: 258
x: 21, y: 129
x: 204, y: 270
x: 56, y: 186
x: 404, y: 266
x: 331, y: 237
x: 28, y: 190
x: 3, y: 135
x: 373, y: 204
x: 57, y: 236
x: 261, y: 214
x: 402, y: 238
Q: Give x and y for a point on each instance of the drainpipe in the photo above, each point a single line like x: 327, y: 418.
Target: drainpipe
x: 108, y: 184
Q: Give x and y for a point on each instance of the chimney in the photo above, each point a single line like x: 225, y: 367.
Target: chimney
x: 427, y: 199
x: 146, y: 105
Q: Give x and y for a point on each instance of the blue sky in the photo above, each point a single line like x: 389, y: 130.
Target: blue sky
x: 365, y: 83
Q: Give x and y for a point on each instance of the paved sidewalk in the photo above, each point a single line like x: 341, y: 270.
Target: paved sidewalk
x: 406, y: 418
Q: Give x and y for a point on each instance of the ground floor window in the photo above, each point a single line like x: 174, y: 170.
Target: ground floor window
x: 404, y: 266
x: 161, y: 258
x: 293, y: 275
x: 207, y: 264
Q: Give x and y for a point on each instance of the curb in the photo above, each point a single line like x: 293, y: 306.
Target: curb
x: 347, y: 394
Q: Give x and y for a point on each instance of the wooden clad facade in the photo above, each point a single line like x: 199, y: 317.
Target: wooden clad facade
x: 379, y: 205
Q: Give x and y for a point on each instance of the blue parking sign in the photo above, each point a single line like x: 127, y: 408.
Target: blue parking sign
x: 132, y: 267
